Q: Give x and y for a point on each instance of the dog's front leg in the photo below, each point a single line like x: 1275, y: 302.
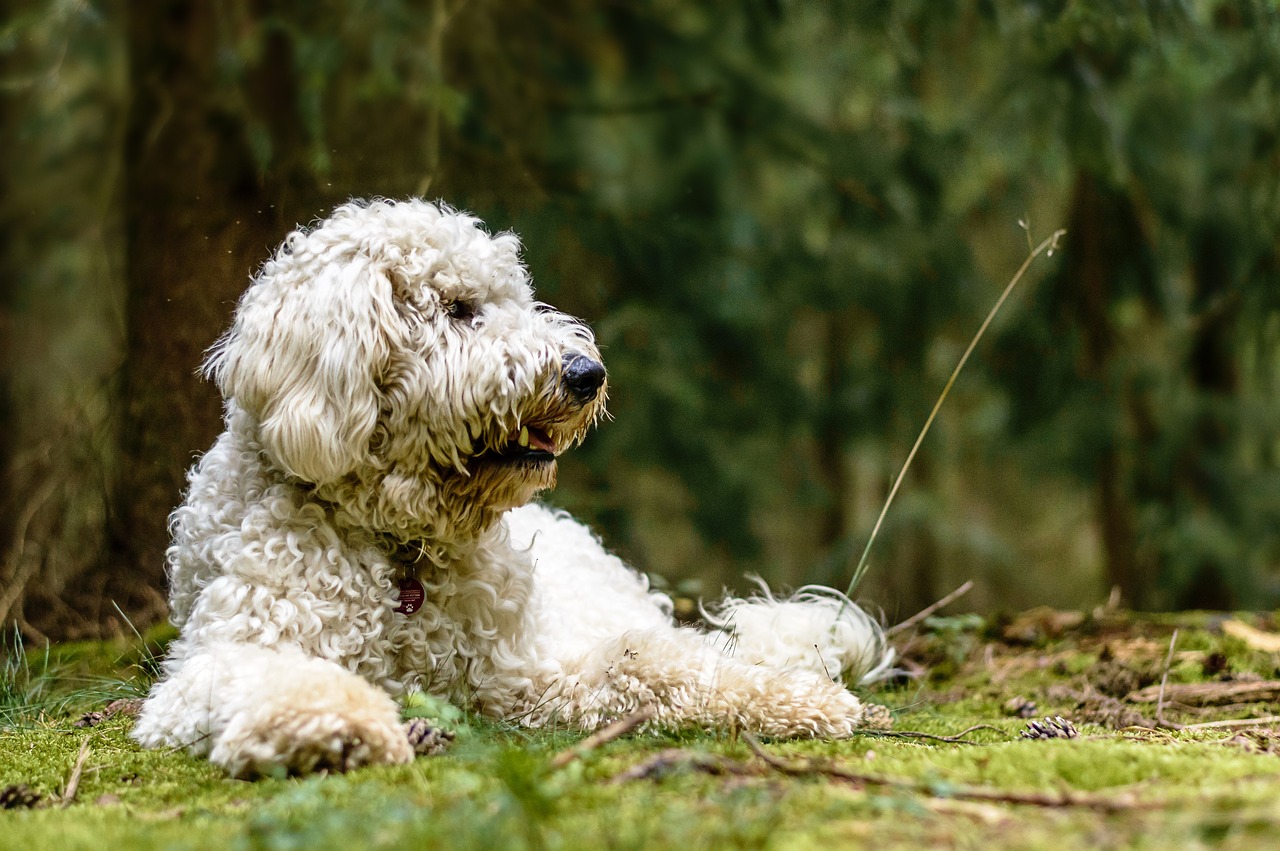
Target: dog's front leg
x: 263, y: 711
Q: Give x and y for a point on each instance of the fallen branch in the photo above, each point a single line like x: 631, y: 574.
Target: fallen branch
x: 615, y: 730
x: 809, y: 768
x: 73, y: 782
x: 957, y: 739
x: 665, y: 761
x: 1210, y: 694
x: 928, y: 610
x: 1234, y: 722
x: 1094, y: 707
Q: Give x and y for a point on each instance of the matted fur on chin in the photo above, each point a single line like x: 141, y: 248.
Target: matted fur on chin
x: 365, y: 527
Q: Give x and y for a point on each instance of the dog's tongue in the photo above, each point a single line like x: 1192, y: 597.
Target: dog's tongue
x: 538, y: 439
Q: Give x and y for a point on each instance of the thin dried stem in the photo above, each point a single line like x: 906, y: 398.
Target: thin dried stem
x: 615, y: 730
x: 928, y: 610
x: 957, y: 739
x: 809, y: 768
x: 1050, y: 245
x: 73, y: 782
x: 1265, y: 721
x: 1164, y: 678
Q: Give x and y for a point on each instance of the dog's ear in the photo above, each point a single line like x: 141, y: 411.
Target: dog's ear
x: 303, y: 356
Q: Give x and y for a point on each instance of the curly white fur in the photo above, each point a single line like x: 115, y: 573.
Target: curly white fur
x: 394, y: 399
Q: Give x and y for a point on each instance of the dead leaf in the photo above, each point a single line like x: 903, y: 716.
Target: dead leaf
x: 1255, y: 639
x: 1040, y: 623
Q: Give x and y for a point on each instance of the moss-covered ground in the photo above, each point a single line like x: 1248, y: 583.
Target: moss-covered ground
x: 1141, y: 773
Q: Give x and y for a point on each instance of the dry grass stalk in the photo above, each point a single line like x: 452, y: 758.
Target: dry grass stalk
x: 616, y: 730
x: 1048, y: 246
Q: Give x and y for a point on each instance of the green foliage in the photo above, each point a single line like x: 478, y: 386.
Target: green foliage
x: 23, y: 687
x: 785, y: 220
x: 1168, y: 118
x: 795, y: 214
x: 39, y: 685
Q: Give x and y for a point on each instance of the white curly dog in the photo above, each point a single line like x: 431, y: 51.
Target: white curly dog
x: 362, y: 530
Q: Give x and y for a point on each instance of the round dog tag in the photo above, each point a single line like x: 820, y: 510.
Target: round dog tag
x: 411, y: 596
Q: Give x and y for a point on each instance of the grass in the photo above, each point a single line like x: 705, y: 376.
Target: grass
x: 495, y: 788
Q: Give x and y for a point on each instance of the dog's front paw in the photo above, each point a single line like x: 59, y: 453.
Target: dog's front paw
x: 317, y: 717
x: 304, y: 741
x: 426, y: 738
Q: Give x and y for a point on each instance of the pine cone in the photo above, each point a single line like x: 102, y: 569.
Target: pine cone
x: 876, y: 717
x: 1051, y: 728
x: 18, y: 797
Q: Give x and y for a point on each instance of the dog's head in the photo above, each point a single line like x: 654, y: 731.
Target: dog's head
x: 394, y: 357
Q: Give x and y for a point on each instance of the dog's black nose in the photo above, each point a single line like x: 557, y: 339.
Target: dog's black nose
x: 583, y: 376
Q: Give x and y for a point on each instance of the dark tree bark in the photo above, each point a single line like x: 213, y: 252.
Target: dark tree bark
x: 1203, y: 476
x: 59, y: 306
x: 833, y: 437
x: 7, y: 329
x: 199, y: 219
x: 1103, y: 230
x: 1110, y: 257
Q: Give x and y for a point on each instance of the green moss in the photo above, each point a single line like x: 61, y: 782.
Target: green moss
x: 494, y: 788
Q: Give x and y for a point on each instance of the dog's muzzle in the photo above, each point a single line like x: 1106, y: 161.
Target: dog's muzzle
x: 582, y: 377
x: 539, y: 440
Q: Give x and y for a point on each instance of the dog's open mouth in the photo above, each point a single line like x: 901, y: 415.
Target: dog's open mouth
x: 530, y: 444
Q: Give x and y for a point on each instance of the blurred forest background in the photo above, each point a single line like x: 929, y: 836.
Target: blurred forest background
x: 784, y: 220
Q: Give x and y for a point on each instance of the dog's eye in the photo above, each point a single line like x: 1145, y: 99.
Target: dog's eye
x: 460, y: 310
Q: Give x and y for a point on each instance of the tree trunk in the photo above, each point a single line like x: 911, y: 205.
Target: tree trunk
x: 60, y: 307
x: 833, y: 437
x: 1204, y: 478
x: 1102, y: 222
x: 199, y: 220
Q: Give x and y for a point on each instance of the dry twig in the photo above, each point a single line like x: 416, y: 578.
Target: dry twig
x: 928, y: 610
x: 1210, y: 694
x: 957, y: 739
x: 1164, y: 678
x: 73, y: 782
x: 1254, y: 639
x: 615, y: 730
x: 671, y: 758
x: 968, y: 793
x: 1265, y: 721
x: 1049, y: 245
